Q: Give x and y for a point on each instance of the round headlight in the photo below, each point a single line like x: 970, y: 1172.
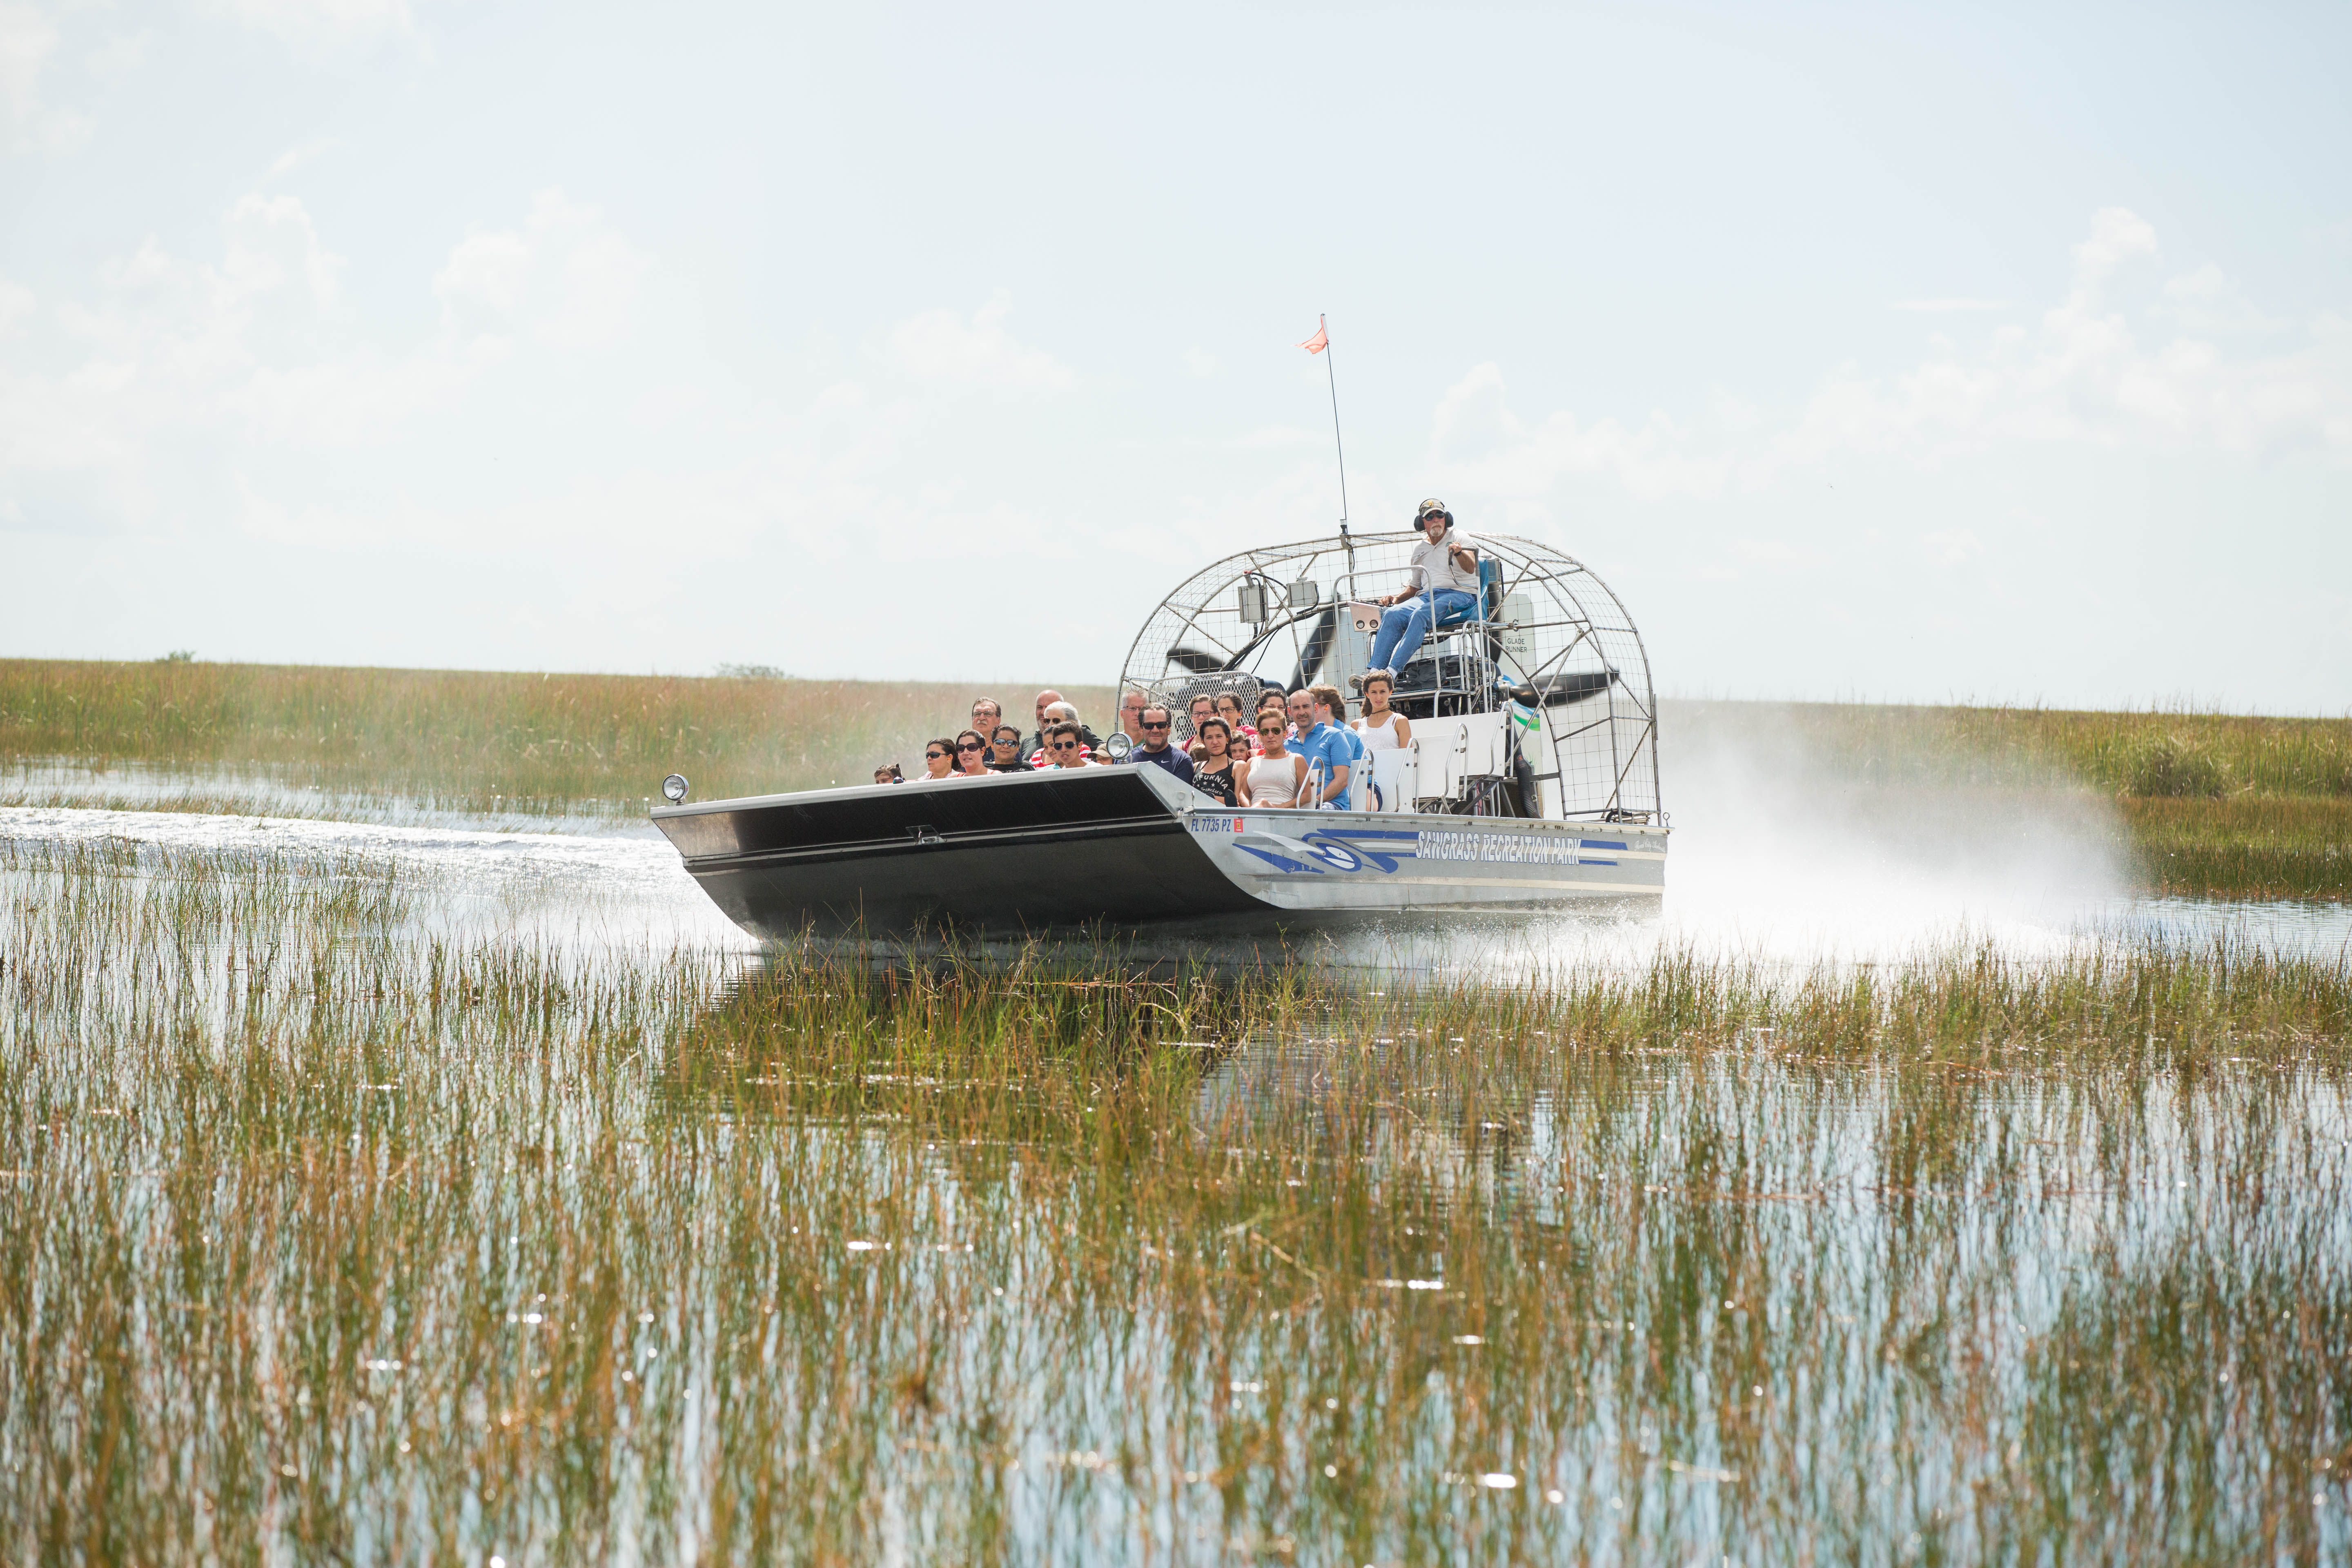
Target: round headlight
x: 674, y: 788
x: 1120, y: 747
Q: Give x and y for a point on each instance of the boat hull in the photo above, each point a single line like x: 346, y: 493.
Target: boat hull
x: 1111, y: 848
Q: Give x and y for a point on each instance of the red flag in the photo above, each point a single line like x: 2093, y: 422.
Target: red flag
x: 1320, y: 341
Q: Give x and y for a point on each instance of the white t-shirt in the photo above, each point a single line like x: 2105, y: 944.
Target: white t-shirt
x: 1435, y: 566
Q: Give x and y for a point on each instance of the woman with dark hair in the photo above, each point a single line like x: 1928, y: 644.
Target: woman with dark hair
x: 1201, y: 708
x: 1279, y: 774
x: 1382, y: 727
x: 1229, y: 709
x: 970, y: 755
x: 1004, y: 751
x: 938, y: 759
x: 1212, y: 770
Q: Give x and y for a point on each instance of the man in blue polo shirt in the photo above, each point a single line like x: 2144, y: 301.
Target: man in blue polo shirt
x: 1334, y: 755
x: 1155, y: 750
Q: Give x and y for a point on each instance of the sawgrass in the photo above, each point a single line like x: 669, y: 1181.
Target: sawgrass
x: 481, y: 743
x: 2208, y: 805
x: 326, y: 1235
x: 2149, y: 753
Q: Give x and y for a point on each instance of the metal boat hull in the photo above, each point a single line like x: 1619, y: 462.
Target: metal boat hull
x: 1109, y: 848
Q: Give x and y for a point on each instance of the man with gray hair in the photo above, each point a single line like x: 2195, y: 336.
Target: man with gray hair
x: 1058, y: 714
x: 1048, y: 701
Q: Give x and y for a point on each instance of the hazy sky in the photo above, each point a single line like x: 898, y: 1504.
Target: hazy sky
x: 1882, y: 352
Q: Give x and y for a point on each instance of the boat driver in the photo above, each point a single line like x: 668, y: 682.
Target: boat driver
x: 1444, y: 577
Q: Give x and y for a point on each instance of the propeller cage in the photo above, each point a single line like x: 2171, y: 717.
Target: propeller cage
x: 1549, y: 633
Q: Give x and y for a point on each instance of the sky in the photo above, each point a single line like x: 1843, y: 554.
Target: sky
x: 1883, y: 353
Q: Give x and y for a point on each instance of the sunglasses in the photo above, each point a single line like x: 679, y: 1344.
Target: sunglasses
x: 1149, y: 725
x: 968, y: 745
x: 933, y: 756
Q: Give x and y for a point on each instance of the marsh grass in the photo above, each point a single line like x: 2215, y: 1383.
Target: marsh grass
x: 483, y: 742
x: 2209, y: 804
x: 323, y: 1236
x: 2277, y: 846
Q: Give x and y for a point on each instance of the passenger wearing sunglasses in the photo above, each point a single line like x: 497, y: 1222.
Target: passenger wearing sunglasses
x: 938, y: 759
x: 1004, y: 751
x: 1154, y: 722
x: 1057, y: 713
x: 972, y: 755
x: 1065, y: 744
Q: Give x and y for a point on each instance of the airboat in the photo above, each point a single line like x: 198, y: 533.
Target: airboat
x: 1530, y: 784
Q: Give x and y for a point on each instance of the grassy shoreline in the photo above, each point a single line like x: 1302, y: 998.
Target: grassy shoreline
x: 2210, y: 804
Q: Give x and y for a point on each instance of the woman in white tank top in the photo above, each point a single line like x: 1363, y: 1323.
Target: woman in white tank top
x: 1383, y: 729
x: 1275, y: 775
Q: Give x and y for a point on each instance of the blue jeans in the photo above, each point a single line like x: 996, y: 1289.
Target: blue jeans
x: 1403, y: 628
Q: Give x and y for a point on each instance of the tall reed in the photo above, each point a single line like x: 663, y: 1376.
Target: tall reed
x: 324, y: 1234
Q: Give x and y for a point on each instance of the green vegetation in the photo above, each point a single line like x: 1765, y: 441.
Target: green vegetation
x: 2153, y: 755
x: 327, y: 1235
x: 486, y: 743
x: 2207, y: 804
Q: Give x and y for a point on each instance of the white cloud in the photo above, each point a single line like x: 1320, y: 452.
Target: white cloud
x: 323, y: 22
x: 17, y: 304
x: 29, y: 42
x: 300, y: 154
x: 2085, y: 374
x: 940, y: 348
x: 564, y: 277
x: 2117, y: 234
x: 1950, y: 547
x: 2206, y: 302
x: 1951, y: 305
x: 1200, y: 363
x: 1478, y: 444
x: 238, y: 393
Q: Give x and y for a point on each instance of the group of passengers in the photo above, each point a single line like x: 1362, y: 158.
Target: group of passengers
x: 1299, y: 749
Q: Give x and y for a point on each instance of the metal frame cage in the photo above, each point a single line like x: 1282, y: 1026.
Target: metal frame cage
x: 1546, y: 635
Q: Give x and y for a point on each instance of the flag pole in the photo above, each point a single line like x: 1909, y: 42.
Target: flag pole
x: 1323, y: 330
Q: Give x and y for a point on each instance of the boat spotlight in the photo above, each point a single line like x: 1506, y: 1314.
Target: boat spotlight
x: 1120, y: 747
x: 674, y: 788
